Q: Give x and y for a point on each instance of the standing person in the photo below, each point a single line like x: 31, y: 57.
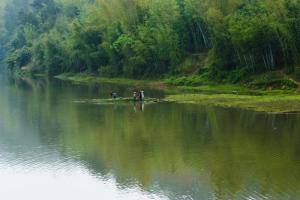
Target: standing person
x: 134, y: 96
x: 142, y: 95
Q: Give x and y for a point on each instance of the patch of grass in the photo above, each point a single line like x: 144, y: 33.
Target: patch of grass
x: 272, y: 83
x: 233, y: 89
x: 264, y: 103
x: 218, y: 89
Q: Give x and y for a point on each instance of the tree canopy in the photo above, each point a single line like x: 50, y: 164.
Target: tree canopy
x: 143, y: 38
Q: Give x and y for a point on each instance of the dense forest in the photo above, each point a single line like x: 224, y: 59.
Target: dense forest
x: 150, y: 38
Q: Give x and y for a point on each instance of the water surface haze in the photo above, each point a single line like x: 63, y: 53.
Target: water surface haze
x: 54, y: 148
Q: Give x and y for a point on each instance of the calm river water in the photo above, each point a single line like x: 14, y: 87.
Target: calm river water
x: 54, y: 148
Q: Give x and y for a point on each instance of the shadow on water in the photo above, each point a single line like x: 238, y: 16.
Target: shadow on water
x: 183, y: 151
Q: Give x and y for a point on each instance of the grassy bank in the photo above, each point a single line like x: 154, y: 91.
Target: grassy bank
x: 93, y: 79
x: 265, y: 103
x: 87, y: 78
x: 226, y: 95
x: 275, y: 82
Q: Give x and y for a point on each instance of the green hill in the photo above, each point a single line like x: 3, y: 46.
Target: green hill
x: 193, y: 42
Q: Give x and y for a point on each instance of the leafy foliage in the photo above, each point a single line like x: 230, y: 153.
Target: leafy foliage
x: 142, y: 38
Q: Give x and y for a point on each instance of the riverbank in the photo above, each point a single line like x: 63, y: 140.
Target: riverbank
x: 225, y: 95
x: 92, y: 79
x: 266, y: 103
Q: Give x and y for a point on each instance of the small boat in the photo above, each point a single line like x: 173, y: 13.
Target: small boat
x: 119, y: 100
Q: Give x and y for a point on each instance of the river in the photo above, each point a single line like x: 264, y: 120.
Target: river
x: 52, y: 147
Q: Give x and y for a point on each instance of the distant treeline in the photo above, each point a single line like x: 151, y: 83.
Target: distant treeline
x: 149, y: 38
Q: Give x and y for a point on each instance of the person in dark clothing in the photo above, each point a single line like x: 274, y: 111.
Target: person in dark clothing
x: 141, y: 95
x: 113, y: 95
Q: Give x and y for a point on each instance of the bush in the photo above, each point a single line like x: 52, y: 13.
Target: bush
x: 194, y: 80
x: 19, y: 58
x: 272, y: 80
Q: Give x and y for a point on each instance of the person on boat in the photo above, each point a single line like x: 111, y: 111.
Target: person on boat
x: 134, y: 96
x: 142, y: 95
x: 113, y: 95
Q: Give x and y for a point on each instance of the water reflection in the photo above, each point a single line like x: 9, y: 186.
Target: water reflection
x: 136, y: 151
x: 139, y: 106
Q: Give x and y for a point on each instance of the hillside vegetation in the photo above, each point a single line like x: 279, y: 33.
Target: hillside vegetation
x: 212, y: 40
